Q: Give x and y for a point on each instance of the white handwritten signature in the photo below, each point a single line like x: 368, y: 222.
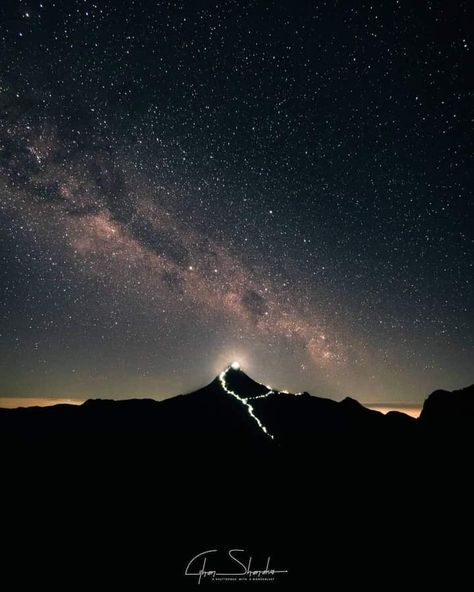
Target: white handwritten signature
x: 192, y: 569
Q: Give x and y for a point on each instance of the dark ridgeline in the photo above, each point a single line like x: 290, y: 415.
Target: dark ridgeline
x: 338, y: 484
x: 211, y: 414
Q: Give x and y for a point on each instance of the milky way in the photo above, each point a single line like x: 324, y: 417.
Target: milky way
x: 185, y: 185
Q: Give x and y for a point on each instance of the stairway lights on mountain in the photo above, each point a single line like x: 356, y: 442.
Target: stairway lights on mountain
x: 223, y: 381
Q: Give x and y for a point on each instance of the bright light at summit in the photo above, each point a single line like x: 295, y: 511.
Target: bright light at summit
x: 235, y: 366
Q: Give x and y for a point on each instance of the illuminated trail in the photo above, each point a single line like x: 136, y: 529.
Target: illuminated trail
x: 244, y: 401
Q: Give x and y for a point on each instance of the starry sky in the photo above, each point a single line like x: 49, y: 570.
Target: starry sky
x: 282, y: 183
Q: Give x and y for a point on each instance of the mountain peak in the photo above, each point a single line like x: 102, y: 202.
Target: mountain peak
x: 236, y: 383
x: 234, y: 379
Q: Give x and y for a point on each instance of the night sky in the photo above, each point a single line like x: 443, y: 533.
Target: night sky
x: 282, y: 183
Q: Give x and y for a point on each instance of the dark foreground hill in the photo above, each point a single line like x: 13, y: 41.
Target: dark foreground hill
x: 130, y: 491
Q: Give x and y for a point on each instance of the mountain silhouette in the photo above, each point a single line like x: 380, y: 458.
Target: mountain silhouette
x: 236, y: 410
x: 312, y: 482
x: 445, y: 410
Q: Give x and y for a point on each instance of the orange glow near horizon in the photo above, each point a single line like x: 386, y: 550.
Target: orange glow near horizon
x: 411, y: 410
x: 15, y: 402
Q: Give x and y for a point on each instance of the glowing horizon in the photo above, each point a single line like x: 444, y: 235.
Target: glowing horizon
x: 413, y: 410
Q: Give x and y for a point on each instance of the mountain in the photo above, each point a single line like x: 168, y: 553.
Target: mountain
x: 445, y: 410
x: 311, y: 482
x: 236, y: 411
